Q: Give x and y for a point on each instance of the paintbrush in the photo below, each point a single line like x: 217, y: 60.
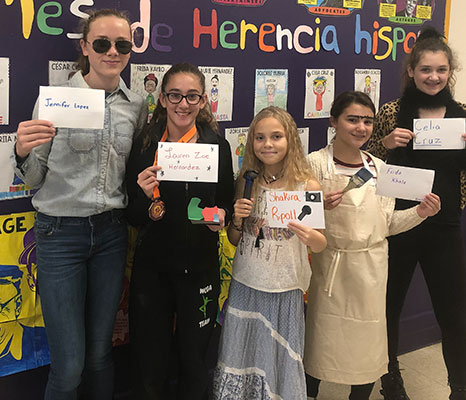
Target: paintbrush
x: 358, y: 179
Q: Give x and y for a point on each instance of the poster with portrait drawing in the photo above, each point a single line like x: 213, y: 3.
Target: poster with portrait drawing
x: 146, y: 80
x: 11, y: 186
x: 237, y: 138
x: 23, y: 343
x: 219, y: 89
x: 4, y: 90
x: 271, y: 88
x: 320, y: 92
x: 368, y: 81
x: 61, y: 71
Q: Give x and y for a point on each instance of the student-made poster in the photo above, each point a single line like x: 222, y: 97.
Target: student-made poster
x: 219, y: 89
x: 10, y: 185
x: 146, y: 80
x: 61, y: 71
x: 23, y: 343
x: 237, y: 138
x: 271, y: 88
x: 4, y: 90
x: 368, y: 82
x: 320, y: 92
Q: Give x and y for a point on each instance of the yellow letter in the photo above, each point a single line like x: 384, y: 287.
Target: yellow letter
x: 244, y: 27
x: 387, y: 40
x: 27, y: 9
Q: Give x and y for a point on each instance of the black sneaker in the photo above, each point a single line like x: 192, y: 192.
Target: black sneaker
x: 393, y: 387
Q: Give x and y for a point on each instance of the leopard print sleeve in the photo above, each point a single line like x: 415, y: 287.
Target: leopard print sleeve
x: 385, y: 122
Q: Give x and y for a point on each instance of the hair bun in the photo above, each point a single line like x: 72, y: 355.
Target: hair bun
x: 430, y: 33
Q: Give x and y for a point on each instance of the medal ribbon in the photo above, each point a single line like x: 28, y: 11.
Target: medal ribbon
x: 184, y: 139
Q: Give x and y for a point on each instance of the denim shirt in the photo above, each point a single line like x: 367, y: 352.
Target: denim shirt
x: 81, y: 172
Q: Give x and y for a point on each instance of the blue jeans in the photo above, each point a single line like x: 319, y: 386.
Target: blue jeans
x: 81, y: 264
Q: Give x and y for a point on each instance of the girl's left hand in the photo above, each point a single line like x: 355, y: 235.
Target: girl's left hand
x: 430, y: 206
x: 221, y: 219
x: 309, y: 236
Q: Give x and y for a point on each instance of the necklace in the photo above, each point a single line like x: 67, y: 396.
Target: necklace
x: 271, y: 179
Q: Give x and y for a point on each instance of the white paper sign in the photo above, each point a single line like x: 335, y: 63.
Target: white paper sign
x: 69, y: 107
x: 4, y: 90
x: 188, y: 162
x: 305, y: 207
x: 438, y: 134
x: 404, y: 182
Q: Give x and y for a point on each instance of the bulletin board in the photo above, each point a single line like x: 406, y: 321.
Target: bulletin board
x: 297, y: 54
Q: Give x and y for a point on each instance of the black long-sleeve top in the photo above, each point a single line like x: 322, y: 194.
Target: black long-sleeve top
x: 174, y: 243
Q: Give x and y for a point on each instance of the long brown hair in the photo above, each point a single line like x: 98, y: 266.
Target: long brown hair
x: 295, y: 166
x: 205, y: 116
x: 85, y: 27
x: 430, y: 39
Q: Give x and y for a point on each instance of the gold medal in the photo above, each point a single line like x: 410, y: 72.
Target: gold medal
x: 157, y: 209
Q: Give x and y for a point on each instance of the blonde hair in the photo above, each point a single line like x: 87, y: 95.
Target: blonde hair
x: 295, y: 166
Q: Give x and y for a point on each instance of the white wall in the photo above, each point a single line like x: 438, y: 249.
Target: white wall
x: 456, y: 39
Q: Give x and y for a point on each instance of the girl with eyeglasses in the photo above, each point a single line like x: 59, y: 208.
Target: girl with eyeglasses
x: 80, y: 232
x: 175, y: 279
x: 437, y: 244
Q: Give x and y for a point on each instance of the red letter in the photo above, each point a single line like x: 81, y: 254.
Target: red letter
x: 208, y: 30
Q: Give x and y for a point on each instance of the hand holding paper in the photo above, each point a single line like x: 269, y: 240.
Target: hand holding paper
x: 31, y: 134
x: 429, y: 206
x: 309, y: 236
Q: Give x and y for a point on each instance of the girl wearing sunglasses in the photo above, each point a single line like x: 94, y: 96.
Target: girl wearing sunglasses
x: 80, y: 233
x: 175, y: 274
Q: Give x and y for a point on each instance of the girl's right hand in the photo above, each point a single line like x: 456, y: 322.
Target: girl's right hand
x: 31, y: 134
x: 399, y: 137
x: 242, y: 209
x: 332, y: 199
x: 147, y: 180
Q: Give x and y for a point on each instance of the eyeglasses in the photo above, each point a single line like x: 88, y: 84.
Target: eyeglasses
x: 177, y: 98
x: 103, y: 45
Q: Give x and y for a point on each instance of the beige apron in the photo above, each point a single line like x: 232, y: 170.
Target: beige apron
x: 346, y: 339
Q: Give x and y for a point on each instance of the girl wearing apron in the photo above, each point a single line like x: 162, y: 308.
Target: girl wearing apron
x: 346, y: 340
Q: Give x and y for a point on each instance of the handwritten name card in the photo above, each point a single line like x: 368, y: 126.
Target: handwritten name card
x: 404, y: 182
x: 306, y: 208
x: 438, y: 134
x: 188, y: 162
x: 69, y: 107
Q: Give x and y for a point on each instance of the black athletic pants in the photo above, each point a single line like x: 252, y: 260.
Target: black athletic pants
x: 155, y: 298
x: 440, y: 253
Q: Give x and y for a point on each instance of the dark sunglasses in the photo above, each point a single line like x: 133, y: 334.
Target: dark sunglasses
x: 103, y: 45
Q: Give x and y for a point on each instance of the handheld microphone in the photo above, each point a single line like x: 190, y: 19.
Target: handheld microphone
x: 249, y: 177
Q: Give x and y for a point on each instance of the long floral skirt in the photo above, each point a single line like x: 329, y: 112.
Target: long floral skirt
x: 261, y: 346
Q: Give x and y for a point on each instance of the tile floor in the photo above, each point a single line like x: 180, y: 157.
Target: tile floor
x: 423, y: 372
